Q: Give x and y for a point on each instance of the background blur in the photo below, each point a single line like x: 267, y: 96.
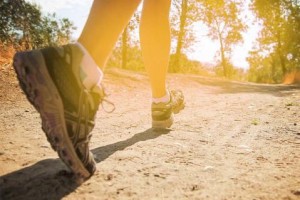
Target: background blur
x: 243, y: 40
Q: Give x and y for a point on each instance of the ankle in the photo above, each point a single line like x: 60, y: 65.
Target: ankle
x: 90, y: 74
x: 164, y: 99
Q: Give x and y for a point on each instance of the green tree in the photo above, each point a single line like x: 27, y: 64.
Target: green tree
x: 184, y: 14
x: 272, y: 35
x: 126, y: 38
x: 22, y: 24
x: 225, y: 25
x: 261, y: 68
x: 293, y: 36
x: 127, y: 52
x: 55, y: 31
x: 19, y: 21
x: 279, y: 37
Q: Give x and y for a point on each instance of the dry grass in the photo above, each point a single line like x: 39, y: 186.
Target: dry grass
x: 6, y: 54
x: 292, y: 78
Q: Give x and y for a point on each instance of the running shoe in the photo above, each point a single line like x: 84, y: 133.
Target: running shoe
x: 162, y: 113
x: 50, y: 79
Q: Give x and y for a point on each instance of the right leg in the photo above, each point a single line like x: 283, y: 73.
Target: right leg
x: 51, y: 80
x: 106, y: 22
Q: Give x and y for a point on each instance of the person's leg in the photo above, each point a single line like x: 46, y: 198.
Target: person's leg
x: 155, y: 43
x: 106, y: 22
x: 51, y: 80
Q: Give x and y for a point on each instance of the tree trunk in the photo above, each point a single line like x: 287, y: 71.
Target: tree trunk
x: 124, y: 47
x: 181, y: 34
x: 279, y: 42
x: 273, y: 67
x: 283, y: 66
x: 223, y: 59
x: 280, y: 54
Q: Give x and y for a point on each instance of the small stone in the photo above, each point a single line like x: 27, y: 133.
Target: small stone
x: 208, y: 167
x: 194, y: 187
x: 296, y: 192
x: 109, y: 177
x: 244, y: 149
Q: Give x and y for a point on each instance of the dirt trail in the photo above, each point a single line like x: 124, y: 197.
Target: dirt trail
x: 233, y: 141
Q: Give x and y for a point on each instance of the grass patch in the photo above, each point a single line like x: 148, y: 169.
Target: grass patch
x: 255, y: 122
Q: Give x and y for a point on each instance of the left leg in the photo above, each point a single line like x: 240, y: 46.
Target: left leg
x: 155, y: 43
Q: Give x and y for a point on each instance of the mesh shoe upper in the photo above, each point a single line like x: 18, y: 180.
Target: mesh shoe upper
x: 164, y: 111
x: 80, y: 105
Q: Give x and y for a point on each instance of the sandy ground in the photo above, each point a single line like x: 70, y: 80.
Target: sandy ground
x: 233, y: 141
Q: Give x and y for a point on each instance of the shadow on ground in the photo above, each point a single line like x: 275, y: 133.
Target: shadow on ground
x: 47, y: 179
x: 43, y: 180
x: 241, y: 87
x: 101, y: 153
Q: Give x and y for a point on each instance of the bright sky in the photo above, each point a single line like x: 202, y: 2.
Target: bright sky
x: 203, y: 50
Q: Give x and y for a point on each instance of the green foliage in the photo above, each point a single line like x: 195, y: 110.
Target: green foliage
x: 126, y: 39
x: 184, y: 14
x: 263, y: 69
x: 225, y: 25
x: 255, y: 122
x: 187, y: 65
x: 23, y: 26
x: 134, y: 58
x: 279, y: 38
x: 232, y: 72
x: 55, y: 31
x: 18, y: 21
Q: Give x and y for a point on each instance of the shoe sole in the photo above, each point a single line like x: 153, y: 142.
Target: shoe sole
x: 42, y: 93
x: 163, y: 124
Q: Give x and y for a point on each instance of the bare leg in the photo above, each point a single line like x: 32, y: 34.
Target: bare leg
x: 155, y: 42
x: 106, y: 22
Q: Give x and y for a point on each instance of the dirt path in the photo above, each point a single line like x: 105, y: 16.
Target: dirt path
x: 233, y: 141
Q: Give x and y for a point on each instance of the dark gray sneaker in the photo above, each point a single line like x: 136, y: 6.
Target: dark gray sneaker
x: 162, y: 113
x: 50, y: 79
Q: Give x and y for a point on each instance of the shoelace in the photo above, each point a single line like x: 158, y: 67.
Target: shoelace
x: 84, y: 110
x: 108, y: 103
x: 100, y: 90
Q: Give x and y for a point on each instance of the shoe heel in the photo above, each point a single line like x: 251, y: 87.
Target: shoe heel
x: 42, y: 93
x: 163, y: 124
